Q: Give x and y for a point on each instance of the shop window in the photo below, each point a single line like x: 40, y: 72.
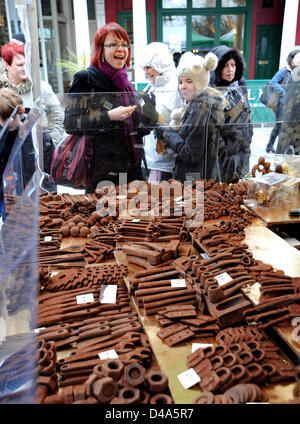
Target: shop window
x: 174, y: 4
x: 234, y: 3
x: 232, y: 31
x: 204, y: 3
x: 203, y: 31
x: 174, y: 32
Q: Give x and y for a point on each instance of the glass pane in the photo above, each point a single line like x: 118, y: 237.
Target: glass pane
x: 232, y: 31
x: 174, y: 32
x: 204, y: 3
x: 203, y: 31
x: 46, y: 8
x: 174, y: 4
x: 234, y: 3
x: 49, y: 38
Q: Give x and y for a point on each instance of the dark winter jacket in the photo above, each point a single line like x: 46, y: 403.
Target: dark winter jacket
x: 88, y: 114
x: 197, y: 140
x: 28, y: 156
x: 289, y: 138
x: 236, y: 137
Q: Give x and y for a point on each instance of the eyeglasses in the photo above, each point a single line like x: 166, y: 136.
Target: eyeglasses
x: 115, y: 45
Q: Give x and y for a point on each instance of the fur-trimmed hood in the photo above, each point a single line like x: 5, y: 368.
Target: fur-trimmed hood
x: 224, y: 54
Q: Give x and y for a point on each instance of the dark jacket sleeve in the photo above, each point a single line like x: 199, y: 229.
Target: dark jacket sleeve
x: 84, y: 113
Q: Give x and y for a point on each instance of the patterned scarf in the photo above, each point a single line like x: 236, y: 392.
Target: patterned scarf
x: 120, y: 80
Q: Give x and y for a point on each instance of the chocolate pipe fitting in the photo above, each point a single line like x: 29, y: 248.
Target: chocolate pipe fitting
x: 226, y: 378
x: 230, y: 359
x: 134, y: 374
x: 104, y: 389
x: 157, y: 381
x: 240, y: 374
x: 209, y: 282
x: 191, y: 260
x: 269, y: 369
x: 98, y: 371
x: 221, y: 350
x: 215, y: 293
x: 161, y: 399
x: 256, y: 372
x: 113, y: 368
x: 196, y: 265
x: 202, y: 274
x: 245, y: 358
x: 236, y: 348
x: 129, y: 395
x: 145, y: 397
x: 209, y: 351
x: 217, y: 362
x: 258, y: 354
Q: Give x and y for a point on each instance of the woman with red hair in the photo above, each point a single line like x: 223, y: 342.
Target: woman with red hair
x: 115, y: 122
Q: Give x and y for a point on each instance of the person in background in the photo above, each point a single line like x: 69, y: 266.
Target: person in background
x: 160, y: 71
x: 279, y: 83
x: 194, y: 130
x: 9, y: 100
x: 237, y: 133
x: 13, y: 74
x: 289, y: 137
x: 115, y: 122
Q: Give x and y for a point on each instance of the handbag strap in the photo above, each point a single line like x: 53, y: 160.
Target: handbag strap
x: 286, y: 74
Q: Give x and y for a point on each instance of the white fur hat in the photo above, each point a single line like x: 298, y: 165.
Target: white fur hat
x: 197, y: 68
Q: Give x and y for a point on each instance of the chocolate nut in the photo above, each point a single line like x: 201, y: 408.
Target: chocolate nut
x: 258, y: 354
x: 256, y: 372
x: 245, y: 358
x: 240, y: 374
x: 230, y: 359
x: 157, y: 381
x: 98, y: 370
x: 113, y: 368
x: 226, y: 378
x: 161, y: 399
x: 129, y: 395
x: 204, y: 398
x: 134, y: 374
x: 104, y: 389
x: 145, y: 397
x: 217, y: 362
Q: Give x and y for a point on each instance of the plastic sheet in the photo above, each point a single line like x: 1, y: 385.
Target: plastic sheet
x: 18, y: 275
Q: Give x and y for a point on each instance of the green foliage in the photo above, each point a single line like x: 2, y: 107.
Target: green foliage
x: 74, y: 64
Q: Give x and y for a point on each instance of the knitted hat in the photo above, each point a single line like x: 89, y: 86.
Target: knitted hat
x: 157, y: 56
x: 19, y: 37
x: 197, y: 68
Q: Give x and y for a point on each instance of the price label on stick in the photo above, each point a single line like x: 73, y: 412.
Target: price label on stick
x: 179, y: 282
x: 85, y: 298
x: 189, y: 378
x: 108, y: 354
x: 108, y: 293
x: 223, y: 278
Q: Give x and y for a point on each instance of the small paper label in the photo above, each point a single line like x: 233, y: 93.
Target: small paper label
x: 178, y: 199
x: 122, y: 196
x: 136, y: 220
x: 204, y: 255
x: 85, y: 298
x: 108, y: 293
x: 37, y: 330
x: 179, y: 282
x: 189, y: 378
x: 48, y: 238
x: 223, y: 278
x: 196, y: 346
x: 108, y: 354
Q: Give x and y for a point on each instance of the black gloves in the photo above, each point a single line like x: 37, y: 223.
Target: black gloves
x: 158, y: 131
x: 149, y: 113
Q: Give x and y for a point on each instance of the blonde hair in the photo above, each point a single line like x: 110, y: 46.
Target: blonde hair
x: 9, y: 99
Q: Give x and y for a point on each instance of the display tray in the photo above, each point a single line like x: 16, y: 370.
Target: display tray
x: 172, y: 360
x: 274, y: 215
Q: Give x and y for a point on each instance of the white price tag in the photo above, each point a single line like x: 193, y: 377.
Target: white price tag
x: 196, y: 346
x: 179, y: 282
x: 37, y: 330
x: 223, y: 278
x: 189, y: 378
x: 108, y: 354
x: 85, y: 298
x: 136, y: 220
x: 48, y: 238
x: 108, y: 293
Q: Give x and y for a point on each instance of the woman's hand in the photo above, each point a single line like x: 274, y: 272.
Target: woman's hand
x: 121, y: 113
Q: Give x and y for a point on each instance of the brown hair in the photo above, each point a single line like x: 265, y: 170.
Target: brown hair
x: 99, y: 39
x: 9, y: 99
